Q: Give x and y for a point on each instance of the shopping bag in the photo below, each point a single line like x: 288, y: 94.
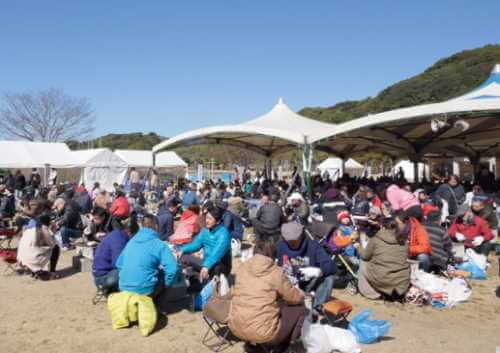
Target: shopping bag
x: 368, y: 331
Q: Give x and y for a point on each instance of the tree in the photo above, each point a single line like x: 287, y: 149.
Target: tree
x: 47, y: 116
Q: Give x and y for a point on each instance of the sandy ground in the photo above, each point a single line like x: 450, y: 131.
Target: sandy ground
x: 58, y: 316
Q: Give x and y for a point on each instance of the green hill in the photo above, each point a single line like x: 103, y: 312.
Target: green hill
x: 447, y: 78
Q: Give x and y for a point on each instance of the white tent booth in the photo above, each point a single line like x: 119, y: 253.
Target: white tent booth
x: 466, y: 126
x: 336, y: 167
x: 101, y: 165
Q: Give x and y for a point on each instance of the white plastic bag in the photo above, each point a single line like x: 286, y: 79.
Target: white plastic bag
x: 319, y: 338
x: 246, y: 254
x: 223, y: 286
x: 235, y: 247
x: 310, y: 272
x: 458, y: 291
x: 480, y: 260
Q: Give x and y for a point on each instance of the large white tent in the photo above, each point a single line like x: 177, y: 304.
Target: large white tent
x: 407, y: 132
x: 101, y: 165
x: 26, y: 154
x: 336, y: 166
x: 144, y: 159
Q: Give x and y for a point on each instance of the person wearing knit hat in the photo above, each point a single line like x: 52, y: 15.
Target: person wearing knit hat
x: 315, y: 267
x: 215, y: 241
x: 345, y: 236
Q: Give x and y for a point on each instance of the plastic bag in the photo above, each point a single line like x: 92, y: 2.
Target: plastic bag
x: 368, y: 331
x: 223, y: 286
x: 478, y: 259
x: 235, y: 247
x: 473, y: 269
x: 319, y: 338
x: 204, y: 296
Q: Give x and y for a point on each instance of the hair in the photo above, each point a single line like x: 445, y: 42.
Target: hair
x: 131, y: 224
x: 100, y: 212
x: 194, y: 208
x: 150, y: 221
x: 454, y: 176
x: 265, y: 248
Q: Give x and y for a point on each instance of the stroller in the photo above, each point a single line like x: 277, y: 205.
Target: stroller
x: 346, y: 276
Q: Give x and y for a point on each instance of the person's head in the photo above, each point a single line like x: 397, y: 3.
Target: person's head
x: 193, y: 187
x: 130, y: 225
x: 392, y: 224
x: 194, y: 208
x: 264, y: 199
x: 97, y: 185
x: 477, y: 205
x: 132, y: 169
x: 295, y: 199
x: 150, y: 221
x: 401, y: 219
x: 434, y: 217
x: 453, y: 180
x: 344, y: 218
x: 173, y: 205
x: 213, y: 216
x: 293, y: 234
x: 423, y: 197
x: 34, y: 171
x: 59, y: 205
x: 265, y: 248
x: 100, y: 215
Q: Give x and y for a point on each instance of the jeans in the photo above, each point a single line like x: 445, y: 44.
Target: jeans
x: 323, y: 289
x: 424, y: 262
x: 68, y: 233
x: 108, y: 282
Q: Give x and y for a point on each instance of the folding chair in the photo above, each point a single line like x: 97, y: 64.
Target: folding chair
x: 218, y: 332
x: 6, y: 236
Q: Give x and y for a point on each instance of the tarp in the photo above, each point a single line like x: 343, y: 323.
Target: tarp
x: 101, y: 165
x: 26, y: 154
x: 144, y: 159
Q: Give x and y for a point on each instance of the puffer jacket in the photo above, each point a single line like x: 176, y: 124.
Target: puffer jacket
x: 255, y: 313
x: 216, y: 244
x: 419, y: 239
x: 400, y: 199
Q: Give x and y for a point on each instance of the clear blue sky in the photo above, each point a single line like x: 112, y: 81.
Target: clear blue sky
x: 171, y: 66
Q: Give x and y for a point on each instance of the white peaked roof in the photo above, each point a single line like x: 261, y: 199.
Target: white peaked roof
x: 407, y: 131
x: 98, y: 157
x: 144, y: 159
x: 272, y: 133
x: 332, y: 163
x: 26, y: 154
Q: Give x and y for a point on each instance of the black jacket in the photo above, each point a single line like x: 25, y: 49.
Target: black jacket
x: 270, y: 215
x: 441, y: 245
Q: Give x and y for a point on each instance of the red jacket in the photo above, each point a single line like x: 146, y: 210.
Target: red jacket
x: 419, y: 239
x: 478, y: 227
x: 120, y: 207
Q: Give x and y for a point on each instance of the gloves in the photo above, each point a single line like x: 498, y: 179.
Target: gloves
x: 477, y: 241
x: 460, y: 237
x: 310, y: 272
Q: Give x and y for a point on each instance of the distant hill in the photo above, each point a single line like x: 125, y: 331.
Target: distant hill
x: 447, y: 78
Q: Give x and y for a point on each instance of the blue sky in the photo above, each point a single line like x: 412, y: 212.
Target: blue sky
x: 171, y: 66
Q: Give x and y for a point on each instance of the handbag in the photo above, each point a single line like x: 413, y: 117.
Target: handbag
x: 218, y: 306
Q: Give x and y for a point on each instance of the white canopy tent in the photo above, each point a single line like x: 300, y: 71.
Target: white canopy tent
x: 101, y: 165
x: 409, y: 171
x: 469, y: 125
x: 27, y: 154
x: 144, y: 159
x: 336, y: 166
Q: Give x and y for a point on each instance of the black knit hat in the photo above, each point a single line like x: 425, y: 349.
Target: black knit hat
x: 215, y: 211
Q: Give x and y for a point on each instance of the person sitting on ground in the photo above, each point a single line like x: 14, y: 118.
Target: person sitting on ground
x: 84, y: 201
x: 344, y: 237
x: 68, y: 221
x: 440, y: 241
x: 419, y: 245
x: 107, y: 253
x: 146, y: 265
x: 401, y: 199
x: 7, y: 203
x: 232, y: 220
x: 188, y: 226
x: 102, y: 200
x: 166, y: 216
x: 37, y: 249
x: 299, y: 252
x: 299, y: 208
x: 384, y: 269
x: 215, y: 241
x: 480, y: 207
x: 268, y: 219
x: 453, y: 193
x: 473, y: 231
x: 120, y: 207
x: 265, y: 308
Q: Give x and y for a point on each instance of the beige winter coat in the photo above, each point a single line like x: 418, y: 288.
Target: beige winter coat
x: 255, y: 313
x: 35, y: 248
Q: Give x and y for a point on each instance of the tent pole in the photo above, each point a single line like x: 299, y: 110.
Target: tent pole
x: 307, y: 154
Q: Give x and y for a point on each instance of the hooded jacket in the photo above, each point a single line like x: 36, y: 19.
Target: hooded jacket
x: 140, y: 260
x: 478, y: 227
x: 255, y: 312
x: 386, y: 263
x: 400, y: 199
x: 309, y: 249
x: 108, y: 251
x: 216, y: 244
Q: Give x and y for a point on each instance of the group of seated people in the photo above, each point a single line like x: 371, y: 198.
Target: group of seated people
x: 375, y: 229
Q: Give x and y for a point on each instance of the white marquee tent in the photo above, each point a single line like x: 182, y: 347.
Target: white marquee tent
x: 144, y: 159
x: 26, y: 154
x: 336, y: 168
x: 101, y: 165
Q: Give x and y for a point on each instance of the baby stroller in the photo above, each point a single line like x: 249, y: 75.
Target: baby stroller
x: 346, y: 276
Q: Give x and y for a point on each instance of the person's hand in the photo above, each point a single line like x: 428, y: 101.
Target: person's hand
x: 355, y: 235
x: 460, y: 237
x: 204, y: 274
x: 478, y: 241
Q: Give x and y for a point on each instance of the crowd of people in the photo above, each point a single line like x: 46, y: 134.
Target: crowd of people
x: 373, y: 226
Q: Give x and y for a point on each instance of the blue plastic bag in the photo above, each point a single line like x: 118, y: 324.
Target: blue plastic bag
x: 473, y: 269
x: 204, y: 296
x: 368, y: 331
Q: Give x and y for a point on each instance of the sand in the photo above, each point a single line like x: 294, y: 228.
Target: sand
x: 58, y: 316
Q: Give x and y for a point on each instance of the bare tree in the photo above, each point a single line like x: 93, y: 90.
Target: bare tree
x: 48, y: 116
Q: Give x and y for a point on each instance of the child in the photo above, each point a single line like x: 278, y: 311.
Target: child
x: 344, y: 237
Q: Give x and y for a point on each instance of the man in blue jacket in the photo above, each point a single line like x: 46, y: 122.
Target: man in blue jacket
x: 166, y: 218
x: 215, y: 241
x: 190, y: 197
x: 139, y: 263
x: 300, y: 252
